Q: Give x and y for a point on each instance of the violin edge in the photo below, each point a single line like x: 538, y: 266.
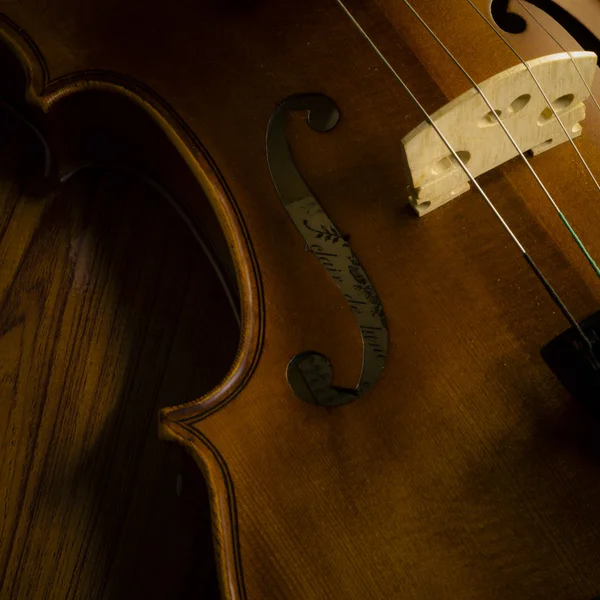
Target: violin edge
x: 222, y: 502
x: 43, y: 94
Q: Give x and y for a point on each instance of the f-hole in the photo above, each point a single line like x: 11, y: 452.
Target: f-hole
x: 506, y: 20
x: 512, y: 23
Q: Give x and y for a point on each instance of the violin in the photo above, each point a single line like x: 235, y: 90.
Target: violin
x: 401, y: 199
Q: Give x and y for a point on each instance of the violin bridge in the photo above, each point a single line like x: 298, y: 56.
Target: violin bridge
x: 436, y: 177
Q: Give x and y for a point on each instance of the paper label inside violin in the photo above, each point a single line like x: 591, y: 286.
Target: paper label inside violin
x: 435, y: 176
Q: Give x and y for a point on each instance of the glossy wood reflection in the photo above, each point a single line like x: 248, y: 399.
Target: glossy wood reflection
x: 108, y: 311
x: 467, y: 472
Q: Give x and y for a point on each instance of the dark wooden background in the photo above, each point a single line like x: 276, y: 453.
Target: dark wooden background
x: 109, y: 310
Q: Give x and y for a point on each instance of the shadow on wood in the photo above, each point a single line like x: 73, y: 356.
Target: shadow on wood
x: 109, y: 311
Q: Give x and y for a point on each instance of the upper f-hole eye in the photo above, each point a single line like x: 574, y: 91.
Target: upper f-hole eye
x: 507, y: 21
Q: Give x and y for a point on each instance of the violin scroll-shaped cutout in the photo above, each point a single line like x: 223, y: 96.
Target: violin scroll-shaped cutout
x: 310, y: 374
x: 506, y: 20
x: 574, y: 23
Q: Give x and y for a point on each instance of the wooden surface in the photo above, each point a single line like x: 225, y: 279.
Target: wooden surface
x: 467, y: 472
x: 587, y: 13
x: 482, y: 144
x: 109, y: 311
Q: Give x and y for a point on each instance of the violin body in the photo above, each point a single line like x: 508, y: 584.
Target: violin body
x: 467, y: 471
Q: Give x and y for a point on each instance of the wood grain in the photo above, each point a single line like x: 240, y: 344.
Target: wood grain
x: 435, y: 175
x: 467, y: 472
x: 109, y: 310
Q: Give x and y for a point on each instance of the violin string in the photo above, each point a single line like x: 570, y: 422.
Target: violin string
x: 545, y: 283
x: 493, y: 112
x: 585, y: 83
x: 535, y: 79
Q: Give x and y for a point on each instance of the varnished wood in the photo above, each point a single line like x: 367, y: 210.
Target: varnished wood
x: 481, y: 142
x: 105, y: 317
x: 586, y: 13
x: 468, y: 472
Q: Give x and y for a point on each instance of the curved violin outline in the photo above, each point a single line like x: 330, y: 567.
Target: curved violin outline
x: 310, y: 374
x: 43, y: 94
x: 40, y: 95
x: 176, y: 423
